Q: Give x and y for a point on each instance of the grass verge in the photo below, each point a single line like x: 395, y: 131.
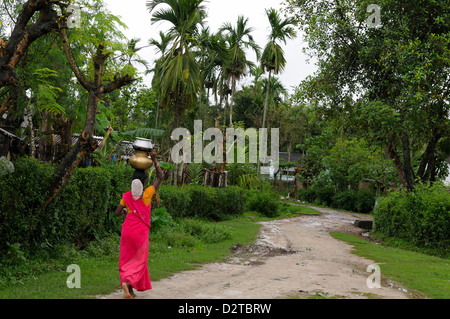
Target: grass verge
x: 416, y: 271
x: 99, y: 263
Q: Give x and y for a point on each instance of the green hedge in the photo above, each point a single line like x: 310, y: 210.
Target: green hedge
x: 82, y: 212
x: 264, y: 200
x: 356, y: 201
x: 20, y: 194
x: 421, y: 217
x: 203, y: 202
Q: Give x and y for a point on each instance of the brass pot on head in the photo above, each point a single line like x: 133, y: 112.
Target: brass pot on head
x: 140, y: 160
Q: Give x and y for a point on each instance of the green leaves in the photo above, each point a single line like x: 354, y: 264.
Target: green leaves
x: 281, y: 30
x: 144, y: 133
x: 177, y: 75
x: 47, y: 93
x: 389, y: 84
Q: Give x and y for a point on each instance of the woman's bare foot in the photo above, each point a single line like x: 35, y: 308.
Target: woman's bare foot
x: 126, y: 291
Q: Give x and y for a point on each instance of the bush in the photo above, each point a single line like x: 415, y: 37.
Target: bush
x: 324, y: 195
x: 321, y: 195
x: 264, y: 201
x: 421, y: 217
x: 360, y: 202
x: 21, y: 193
x: 230, y: 202
x: 202, y: 201
x: 186, y: 232
x: 172, y: 238
x: 356, y: 201
x: 306, y: 195
x: 159, y: 219
x: 345, y: 200
x: 82, y: 211
x: 365, y: 201
x: 175, y: 199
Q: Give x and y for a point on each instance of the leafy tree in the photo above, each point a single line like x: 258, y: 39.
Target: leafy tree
x: 248, y: 107
x: 389, y: 83
x: 100, y: 38
x: 351, y: 161
x: 27, y: 29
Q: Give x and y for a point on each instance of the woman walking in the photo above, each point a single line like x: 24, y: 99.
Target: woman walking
x: 136, y: 204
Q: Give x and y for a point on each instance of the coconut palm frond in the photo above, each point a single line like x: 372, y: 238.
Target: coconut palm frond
x: 144, y: 133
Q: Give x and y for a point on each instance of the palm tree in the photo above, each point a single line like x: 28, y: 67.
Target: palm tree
x: 163, y: 43
x: 130, y: 56
x: 273, y: 59
x: 212, y: 51
x: 161, y: 47
x: 257, y: 73
x: 277, y: 91
x: 238, y: 38
x: 178, y: 76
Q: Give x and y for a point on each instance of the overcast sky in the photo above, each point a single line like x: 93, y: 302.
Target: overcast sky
x: 136, y: 16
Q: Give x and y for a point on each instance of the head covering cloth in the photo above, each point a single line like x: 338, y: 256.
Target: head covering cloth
x: 136, y: 189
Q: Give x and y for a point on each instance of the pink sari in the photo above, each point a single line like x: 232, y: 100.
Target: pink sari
x: 134, y: 245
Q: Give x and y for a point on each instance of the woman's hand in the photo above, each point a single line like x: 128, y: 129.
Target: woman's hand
x: 120, y: 211
x: 159, y: 172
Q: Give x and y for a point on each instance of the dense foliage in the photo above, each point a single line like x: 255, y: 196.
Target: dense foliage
x: 421, y: 217
x: 203, y: 202
x: 376, y: 111
x: 83, y: 212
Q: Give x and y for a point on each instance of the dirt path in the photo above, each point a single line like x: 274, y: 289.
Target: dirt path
x: 291, y: 258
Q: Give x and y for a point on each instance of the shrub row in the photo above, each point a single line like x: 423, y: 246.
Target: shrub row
x: 264, y: 200
x: 421, y: 217
x: 203, y: 202
x: 357, y: 201
x: 83, y: 211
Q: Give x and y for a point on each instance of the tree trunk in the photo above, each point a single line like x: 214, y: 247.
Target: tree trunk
x: 407, y: 168
x: 223, y: 165
x: 265, y: 114
x: 233, y: 91
x: 6, y: 105
x: 225, y: 107
x: 393, y: 155
x: 289, y: 151
x: 200, y: 93
x: 428, y: 159
x: 32, y: 138
x: 86, y: 144
x: 42, y: 154
x: 206, y: 107
x: 157, y: 112
x: 266, y: 104
x: 64, y: 126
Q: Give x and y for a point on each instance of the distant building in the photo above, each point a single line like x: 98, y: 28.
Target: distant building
x: 286, y: 173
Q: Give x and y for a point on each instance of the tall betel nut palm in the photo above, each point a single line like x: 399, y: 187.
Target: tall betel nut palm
x: 238, y: 38
x: 273, y: 59
x: 178, y: 75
